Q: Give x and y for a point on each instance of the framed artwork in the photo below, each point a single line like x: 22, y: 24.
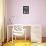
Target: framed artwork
x: 25, y: 9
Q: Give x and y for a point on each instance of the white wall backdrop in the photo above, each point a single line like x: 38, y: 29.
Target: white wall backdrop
x: 38, y: 15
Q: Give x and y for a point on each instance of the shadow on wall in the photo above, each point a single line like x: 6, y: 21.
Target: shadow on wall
x: 44, y: 34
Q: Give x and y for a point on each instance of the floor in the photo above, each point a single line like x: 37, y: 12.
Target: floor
x: 18, y: 43
x: 23, y: 43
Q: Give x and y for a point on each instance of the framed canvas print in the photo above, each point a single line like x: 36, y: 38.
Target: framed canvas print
x: 25, y: 9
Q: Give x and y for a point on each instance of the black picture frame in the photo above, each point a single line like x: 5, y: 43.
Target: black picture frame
x: 25, y: 9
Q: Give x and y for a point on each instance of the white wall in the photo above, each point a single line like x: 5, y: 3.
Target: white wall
x: 38, y: 15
